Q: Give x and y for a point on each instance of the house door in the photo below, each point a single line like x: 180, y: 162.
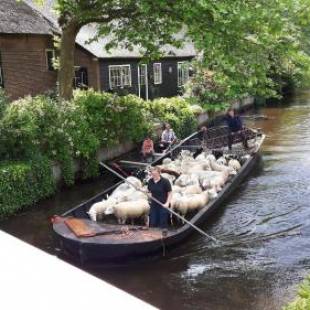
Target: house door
x: 143, y: 87
x: 80, y: 79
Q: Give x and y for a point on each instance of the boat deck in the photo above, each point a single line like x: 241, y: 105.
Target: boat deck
x: 112, y: 233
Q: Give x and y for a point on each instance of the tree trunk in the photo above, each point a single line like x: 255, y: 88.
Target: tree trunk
x: 66, y: 60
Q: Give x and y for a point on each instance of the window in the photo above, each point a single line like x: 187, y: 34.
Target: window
x: 142, y: 74
x: 119, y: 76
x: 157, y: 73
x: 183, y: 73
x: 50, y: 55
x: 1, y: 74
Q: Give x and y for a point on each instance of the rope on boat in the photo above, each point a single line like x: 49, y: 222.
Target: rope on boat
x: 161, y: 204
x: 164, y: 234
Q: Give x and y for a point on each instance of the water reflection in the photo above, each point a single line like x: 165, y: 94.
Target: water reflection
x: 265, y: 228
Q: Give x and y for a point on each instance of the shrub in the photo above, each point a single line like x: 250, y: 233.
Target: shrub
x: 24, y: 183
x: 39, y: 127
x: 114, y: 119
x: 3, y: 101
x: 176, y: 111
x: 302, y: 301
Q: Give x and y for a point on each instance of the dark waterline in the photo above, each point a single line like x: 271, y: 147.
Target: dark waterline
x: 265, y: 227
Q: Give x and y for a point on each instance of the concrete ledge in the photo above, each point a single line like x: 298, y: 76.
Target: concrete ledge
x: 33, y: 279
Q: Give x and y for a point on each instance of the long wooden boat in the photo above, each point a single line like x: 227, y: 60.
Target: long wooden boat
x: 118, y: 243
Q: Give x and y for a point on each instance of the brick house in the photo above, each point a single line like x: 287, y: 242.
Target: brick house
x: 26, y: 52
x: 26, y: 57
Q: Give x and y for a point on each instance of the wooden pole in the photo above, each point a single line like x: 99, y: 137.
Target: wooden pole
x: 161, y: 204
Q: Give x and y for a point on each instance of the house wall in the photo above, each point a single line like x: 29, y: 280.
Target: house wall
x: 168, y: 87
x: 24, y: 65
x: 85, y: 59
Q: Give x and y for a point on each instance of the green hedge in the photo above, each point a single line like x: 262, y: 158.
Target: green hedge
x: 302, y: 301
x: 177, y: 111
x: 65, y: 131
x: 24, y: 183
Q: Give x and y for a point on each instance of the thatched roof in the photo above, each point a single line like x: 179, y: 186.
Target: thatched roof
x: 28, y: 17
x: 97, y: 47
x: 18, y: 17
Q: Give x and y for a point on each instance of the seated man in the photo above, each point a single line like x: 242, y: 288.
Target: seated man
x: 148, y: 149
x: 168, y: 137
x: 235, y: 126
x: 202, y: 133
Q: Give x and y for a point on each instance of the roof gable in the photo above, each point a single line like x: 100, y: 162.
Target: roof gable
x: 18, y: 17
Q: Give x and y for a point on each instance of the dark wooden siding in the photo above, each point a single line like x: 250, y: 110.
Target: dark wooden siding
x: 168, y: 87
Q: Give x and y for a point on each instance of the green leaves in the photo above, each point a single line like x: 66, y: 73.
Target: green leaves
x: 302, y: 301
x: 24, y: 183
x: 250, y: 42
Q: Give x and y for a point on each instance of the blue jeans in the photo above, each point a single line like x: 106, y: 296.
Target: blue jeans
x: 159, y: 217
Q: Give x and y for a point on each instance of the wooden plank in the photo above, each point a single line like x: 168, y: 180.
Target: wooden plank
x: 79, y: 227
x: 134, y: 163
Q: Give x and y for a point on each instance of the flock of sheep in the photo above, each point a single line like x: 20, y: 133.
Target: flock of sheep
x: 199, y: 180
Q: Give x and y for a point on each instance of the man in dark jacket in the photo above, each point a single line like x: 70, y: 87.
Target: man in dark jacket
x: 160, y: 188
x: 236, y: 128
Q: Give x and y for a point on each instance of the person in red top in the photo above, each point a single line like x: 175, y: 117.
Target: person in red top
x: 148, y: 148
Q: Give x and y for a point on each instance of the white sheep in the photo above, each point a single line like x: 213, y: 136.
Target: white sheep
x: 122, y: 194
x: 186, y: 179
x: 137, y: 195
x: 130, y: 210
x: 192, y: 189
x: 98, y: 209
x: 222, y: 161
x: 183, y: 204
x: 185, y: 154
x: 169, y: 177
x: 211, y: 157
x: 212, y: 193
x: 134, y: 181
x: 234, y: 163
x: 213, y: 179
x: 166, y: 161
x: 217, y: 167
x: 176, y: 189
x: 201, y: 156
x: 198, y: 201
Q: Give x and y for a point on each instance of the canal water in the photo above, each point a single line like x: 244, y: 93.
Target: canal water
x: 264, y: 228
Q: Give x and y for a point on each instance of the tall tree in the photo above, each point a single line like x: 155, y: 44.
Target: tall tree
x: 250, y: 44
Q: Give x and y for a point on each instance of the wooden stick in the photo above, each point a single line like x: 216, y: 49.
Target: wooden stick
x: 161, y: 204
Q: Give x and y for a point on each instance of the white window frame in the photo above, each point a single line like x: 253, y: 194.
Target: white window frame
x: 158, y: 79
x: 183, y: 76
x: 142, y: 82
x: 1, y: 73
x: 121, y: 78
x: 46, y: 58
x: 1, y: 77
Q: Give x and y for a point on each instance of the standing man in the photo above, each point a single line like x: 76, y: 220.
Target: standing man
x: 236, y: 127
x: 168, y: 137
x: 160, y: 189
